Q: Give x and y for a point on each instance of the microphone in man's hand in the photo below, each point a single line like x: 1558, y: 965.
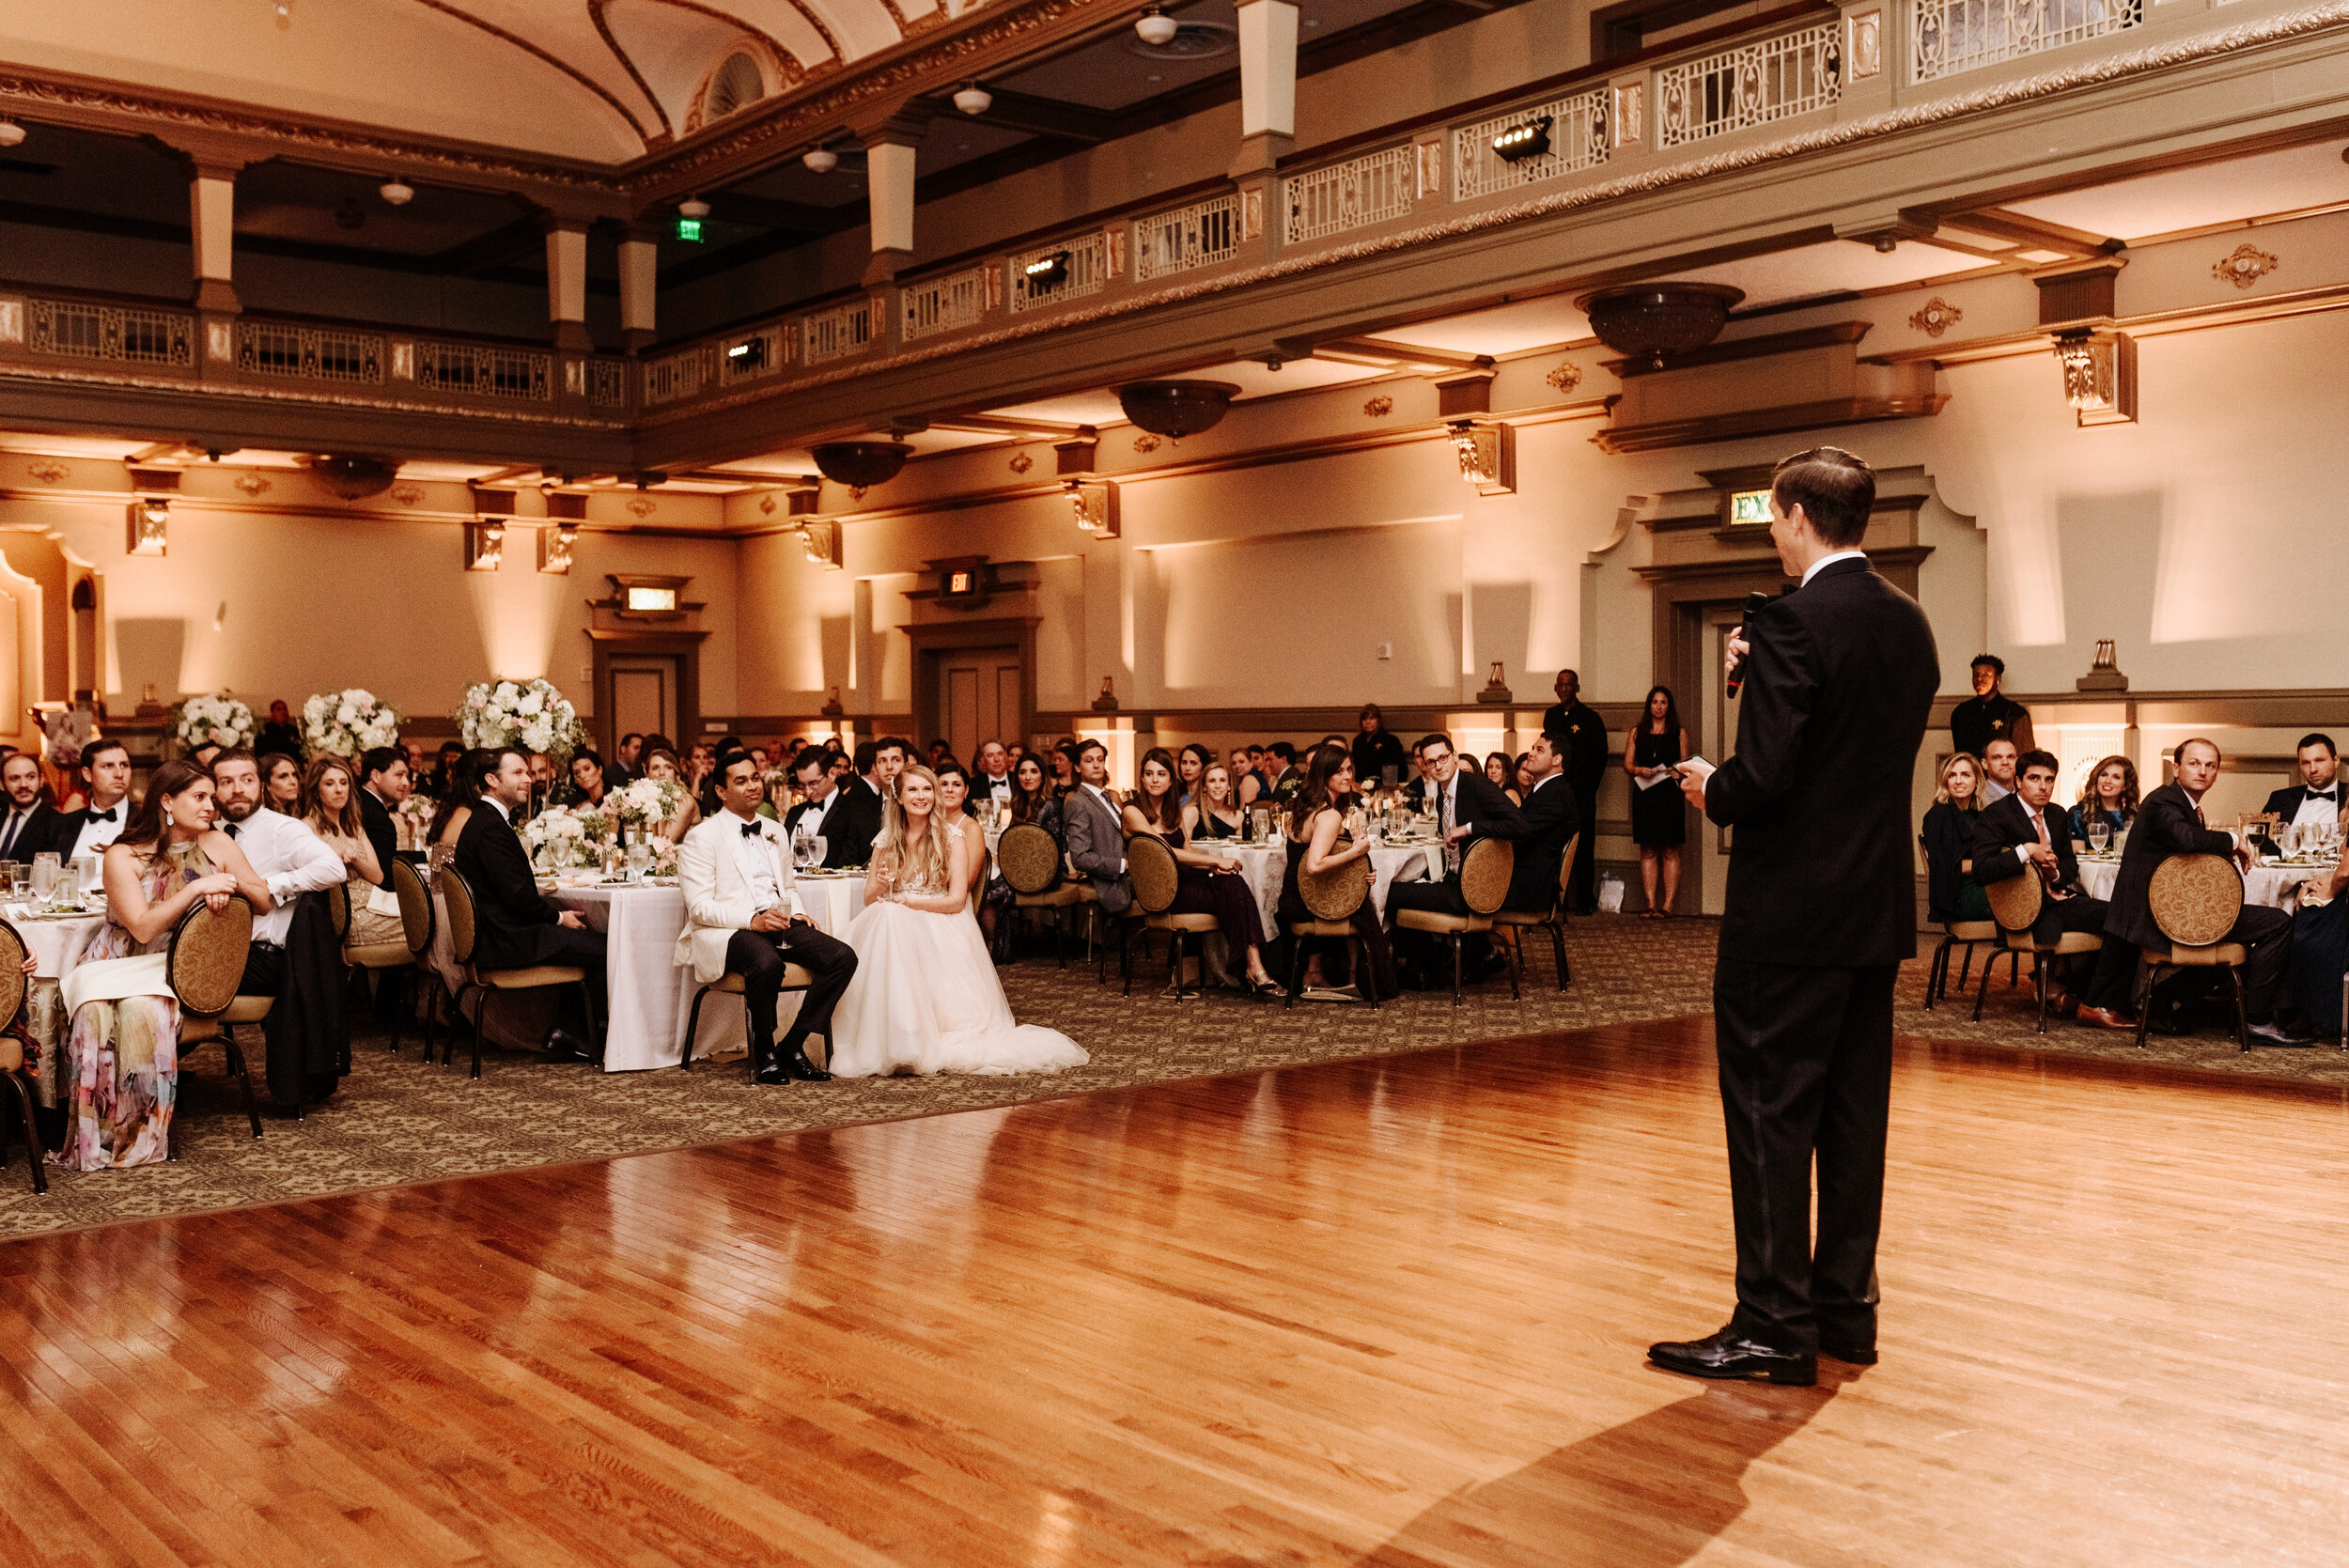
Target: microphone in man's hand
x: 1755, y: 604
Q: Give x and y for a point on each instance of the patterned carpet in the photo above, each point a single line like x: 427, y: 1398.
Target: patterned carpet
x: 398, y: 1122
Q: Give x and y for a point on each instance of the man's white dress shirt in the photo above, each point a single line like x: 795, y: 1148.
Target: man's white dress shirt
x: 288, y: 857
x: 95, y: 836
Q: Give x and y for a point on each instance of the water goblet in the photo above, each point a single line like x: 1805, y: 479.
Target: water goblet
x: 44, y: 872
x: 2099, y: 834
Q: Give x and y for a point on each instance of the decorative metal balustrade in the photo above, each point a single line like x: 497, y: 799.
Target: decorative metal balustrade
x: 1750, y: 84
x: 1953, y: 36
x: 676, y: 376
x: 607, y: 384
x: 477, y: 370
x: 843, y: 330
x: 1200, y: 235
x: 1374, y: 188
x: 1085, y: 264
x: 113, y: 332
x: 944, y: 304
x: 312, y: 354
x: 1575, y: 127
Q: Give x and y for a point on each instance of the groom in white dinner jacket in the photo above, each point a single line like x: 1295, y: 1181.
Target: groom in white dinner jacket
x: 742, y: 916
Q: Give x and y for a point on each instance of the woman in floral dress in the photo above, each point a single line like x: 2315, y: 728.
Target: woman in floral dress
x: 120, y: 1064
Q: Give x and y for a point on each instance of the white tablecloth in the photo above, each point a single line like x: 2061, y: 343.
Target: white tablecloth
x: 2276, y: 886
x: 1264, y: 866
x: 56, y: 947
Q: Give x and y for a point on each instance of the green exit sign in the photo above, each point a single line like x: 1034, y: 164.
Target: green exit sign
x: 689, y: 230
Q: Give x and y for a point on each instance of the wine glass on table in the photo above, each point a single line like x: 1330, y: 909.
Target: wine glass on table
x: 816, y: 844
x: 2099, y: 834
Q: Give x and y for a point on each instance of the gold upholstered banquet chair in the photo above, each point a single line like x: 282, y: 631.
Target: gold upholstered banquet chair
x: 2195, y: 900
x: 361, y: 956
x: 1965, y: 934
x: 458, y: 894
x: 1484, y: 884
x: 794, y: 979
x: 1524, y: 922
x: 1331, y: 896
x: 2014, y: 906
x: 1030, y: 859
x: 15, y: 990
x: 418, y: 925
x: 1151, y: 866
x: 205, y: 963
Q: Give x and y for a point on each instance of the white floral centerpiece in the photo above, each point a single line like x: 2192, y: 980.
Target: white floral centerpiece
x: 413, y: 819
x: 348, y: 722
x: 220, y: 721
x: 646, y: 802
x: 561, y: 838
x: 526, y: 713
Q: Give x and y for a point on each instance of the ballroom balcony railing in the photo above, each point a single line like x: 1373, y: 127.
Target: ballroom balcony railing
x: 1951, y: 36
x: 1575, y: 127
x: 1754, y: 84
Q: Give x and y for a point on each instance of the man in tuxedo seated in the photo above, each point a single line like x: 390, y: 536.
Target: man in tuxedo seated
x: 889, y: 760
x: 2022, y: 834
x: 2316, y: 798
x: 33, y: 824
x: 1551, y: 815
x: 295, y: 956
x: 853, y: 819
x: 106, y: 781
x: 2169, y: 822
x: 1094, y: 832
x: 515, y: 927
x: 1998, y: 762
x: 627, y: 764
x: 742, y: 917
x: 990, y: 790
x: 1467, y: 805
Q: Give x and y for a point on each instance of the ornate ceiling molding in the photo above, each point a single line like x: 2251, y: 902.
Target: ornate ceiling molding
x: 515, y: 39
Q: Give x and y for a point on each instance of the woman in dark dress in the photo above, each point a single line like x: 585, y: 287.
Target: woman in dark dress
x: 1659, y: 814
x: 2111, y: 794
x: 1211, y: 813
x: 1951, y: 892
x: 1211, y: 883
x: 1315, y: 827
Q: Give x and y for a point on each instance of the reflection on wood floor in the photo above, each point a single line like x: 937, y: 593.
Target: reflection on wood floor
x: 1381, y: 1312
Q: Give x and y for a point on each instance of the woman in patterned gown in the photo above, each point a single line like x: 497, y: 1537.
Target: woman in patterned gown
x: 120, y: 1063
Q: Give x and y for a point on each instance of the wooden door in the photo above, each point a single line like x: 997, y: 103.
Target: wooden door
x: 643, y: 696
x: 979, y: 692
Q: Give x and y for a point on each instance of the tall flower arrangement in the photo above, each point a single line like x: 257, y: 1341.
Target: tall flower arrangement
x: 347, y: 723
x: 526, y: 713
x: 646, y: 802
x: 220, y: 721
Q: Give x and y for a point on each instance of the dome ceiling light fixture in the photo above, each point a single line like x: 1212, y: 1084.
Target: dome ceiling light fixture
x: 1156, y: 29
x: 396, y: 191
x: 1159, y: 36
x: 692, y: 207
x: 972, y: 98
x: 1657, y: 321
x: 860, y: 464
x: 12, y: 134
x: 820, y: 160
x: 1176, y: 409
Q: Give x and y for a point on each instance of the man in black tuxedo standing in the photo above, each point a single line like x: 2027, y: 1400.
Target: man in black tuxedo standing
x: 1578, y: 735
x: 32, y: 824
x: 514, y: 927
x: 2316, y: 798
x: 1467, y: 805
x: 1840, y: 677
x: 1550, y: 817
x: 2020, y: 835
x: 386, y: 781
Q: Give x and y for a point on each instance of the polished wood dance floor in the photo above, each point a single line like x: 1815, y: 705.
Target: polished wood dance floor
x: 1387, y: 1312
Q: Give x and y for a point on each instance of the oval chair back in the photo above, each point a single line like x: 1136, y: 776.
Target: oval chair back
x: 1029, y: 858
x: 1565, y: 871
x: 2014, y: 902
x: 2195, y: 899
x: 1484, y: 871
x: 14, y: 987
x: 416, y: 907
x: 1152, y: 868
x: 458, y: 892
x: 1333, y: 893
x: 339, y: 907
x: 207, y: 957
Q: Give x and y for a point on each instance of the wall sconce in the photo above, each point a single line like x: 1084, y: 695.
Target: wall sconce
x: 1487, y: 455
x: 150, y: 518
x: 1094, y: 507
x: 2099, y: 377
x: 555, y: 549
x: 484, y: 544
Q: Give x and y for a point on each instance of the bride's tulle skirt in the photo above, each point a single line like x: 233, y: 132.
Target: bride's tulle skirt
x: 926, y: 999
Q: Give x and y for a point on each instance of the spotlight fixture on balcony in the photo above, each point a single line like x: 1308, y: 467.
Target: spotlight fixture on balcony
x: 12, y: 134
x: 819, y: 160
x: 1176, y: 409
x: 2099, y: 376
x: 1156, y: 29
x: 396, y: 191
x: 972, y: 98
x: 747, y: 357
x: 1656, y: 321
x: 860, y: 464
x: 1520, y: 142
x: 1046, y: 273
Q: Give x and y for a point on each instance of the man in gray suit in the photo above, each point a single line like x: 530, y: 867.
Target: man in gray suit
x: 1092, y: 828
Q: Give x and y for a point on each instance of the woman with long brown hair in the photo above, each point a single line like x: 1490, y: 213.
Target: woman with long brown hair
x: 1316, y: 824
x: 1660, y: 818
x: 330, y: 807
x: 1209, y: 883
x: 459, y: 793
x: 2109, y: 792
x: 120, y: 1061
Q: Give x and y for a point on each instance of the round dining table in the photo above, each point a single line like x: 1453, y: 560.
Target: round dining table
x: 54, y: 943
x: 2273, y: 883
x: 1264, y: 866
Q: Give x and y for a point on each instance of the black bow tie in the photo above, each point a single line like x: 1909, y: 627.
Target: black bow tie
x: 106, y: 816
x: 750, y: 829
x: 2323, y: 794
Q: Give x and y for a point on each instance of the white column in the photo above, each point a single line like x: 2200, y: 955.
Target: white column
x: 889, y: 188
x: 640, y: 259
x: 566, y: 281
x: 1268, y: 83
x: 212, y: 216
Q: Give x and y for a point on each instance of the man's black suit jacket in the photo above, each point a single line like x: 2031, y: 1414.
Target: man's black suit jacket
x: 851, y: 826
x: 1578, y: 735
x: 2168, y: 823
x: 514, y: 926
x: 1837, y: 692
x: 42, y: 832
x: 1478, y: 801
x: 2005, y: 823
x: 1550, y: 816
x: 2285, y: 803
x: 375, y: 818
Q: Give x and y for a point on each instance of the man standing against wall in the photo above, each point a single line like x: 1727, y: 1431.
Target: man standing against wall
x: 1820, y: 908
x: 1578, y: 735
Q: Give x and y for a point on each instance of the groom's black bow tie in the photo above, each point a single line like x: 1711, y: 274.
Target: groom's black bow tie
x: 106, y: 816
x: 750, y: 829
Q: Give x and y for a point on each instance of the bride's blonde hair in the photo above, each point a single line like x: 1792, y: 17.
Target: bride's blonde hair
x: 923, y: 865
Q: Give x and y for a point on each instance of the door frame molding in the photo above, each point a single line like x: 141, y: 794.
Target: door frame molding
x: 936, y: 637
x: 685, y: 647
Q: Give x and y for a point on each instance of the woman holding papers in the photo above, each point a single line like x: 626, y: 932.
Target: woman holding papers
x: 1659, y: 818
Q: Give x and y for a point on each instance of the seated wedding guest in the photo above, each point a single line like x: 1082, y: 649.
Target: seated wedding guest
x: 1245, y: 786
x: 1998, y: 770
x: 890, y: 756
x: 854, y: 818
x: 1551, y: 816
x: 1989, y: 714
x: 1523, y: 778
x: 1659, y: 814
x: 106, y: 781
x: 514, y: 926
x: 1312, y: 829
x: 414, y: 750
x: 1209, y: 883
x: 2110, y: 794
x: 1501, y: 773
x: 1284, y: 776
x: 540, y: 767
x: 1092, y: 828
x: 1189, y: 763
x: 1212, y: 813
x: 954, y: 789
x: 444, y: 780
x: 332, y: 809
x: 384, y: 782
x: 1375, y: 751
x: 2169, y: 822
x: 843, y: 763
x: 742, y: 916
x: 119, y: 1067
x: 660, y: 764
x: 1064, y: 758
x: 456, y: 804
x: 295, y: 956
x: 2320, y: 950
x: 819, y: 792
x: 939, y: 751
x: 627, y: 764
x: 278, y: 733
x: 2026, y: 835
x: 1466, y: 805
x: 1032, y: 798
x: 1951, y: 893
x: 586, y: 782
x: 2316, y: 798
x: 33, y: 824
x: 281, y: 783
x: 992, y: 785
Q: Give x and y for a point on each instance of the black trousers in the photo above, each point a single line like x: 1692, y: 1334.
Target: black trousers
x: 1443, y: 898
x: 1806, y: 1064
x: 2115, y: 968
x: 306, y: 1034
x: 578, y: 948
x: 758, y: 957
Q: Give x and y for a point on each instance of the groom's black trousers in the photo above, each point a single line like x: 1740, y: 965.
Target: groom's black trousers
x: 759, y: 958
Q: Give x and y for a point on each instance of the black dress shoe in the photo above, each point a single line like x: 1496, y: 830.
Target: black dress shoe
x: 1850, y: 1355
x: 565, y: 1047
x: 1729, y: 1356
x: 768, y: 1070
x: 795, y: 1063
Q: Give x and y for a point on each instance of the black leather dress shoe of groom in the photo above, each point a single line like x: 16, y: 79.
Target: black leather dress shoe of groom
x: 1726, y: 1355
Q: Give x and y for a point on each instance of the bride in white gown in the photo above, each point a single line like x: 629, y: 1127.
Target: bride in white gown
x: 925, y: 999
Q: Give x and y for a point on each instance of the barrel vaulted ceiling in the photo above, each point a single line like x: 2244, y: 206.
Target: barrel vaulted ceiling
x: 598, y: 80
